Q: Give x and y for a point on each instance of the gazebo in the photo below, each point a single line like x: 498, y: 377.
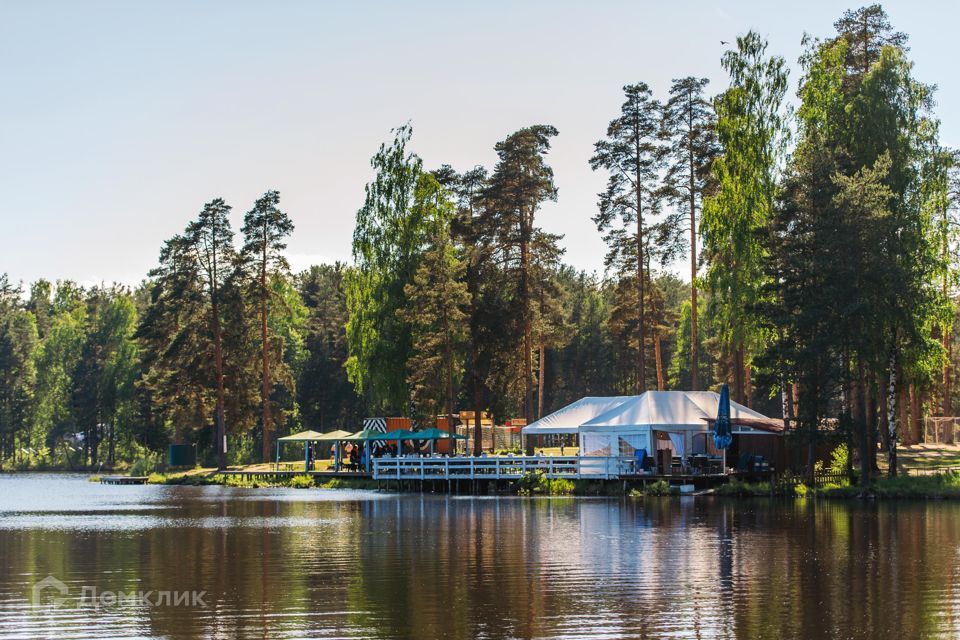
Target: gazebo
x: 309, y: 436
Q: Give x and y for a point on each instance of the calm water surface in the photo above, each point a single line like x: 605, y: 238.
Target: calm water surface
x: 344, y: 564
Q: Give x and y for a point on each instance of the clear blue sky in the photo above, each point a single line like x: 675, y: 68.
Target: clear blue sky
x: 118, y: 120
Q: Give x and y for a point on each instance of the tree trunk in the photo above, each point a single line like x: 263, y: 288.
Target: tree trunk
x: 221, y: 428
x: 448, y: 355
x: 659, y: 358
x: 738, y: 370
x: 892, y: 387
x: 694, y: 350
x: 871, y: 420
x: 747, y: 383
x: 527, y: 331
x: 916, y: 420
x: 541, y: 370
x: 641, y: 301
x: 863, y: 424
x: 477, y: 425
x: 947, y: 406
x: 265, y: 360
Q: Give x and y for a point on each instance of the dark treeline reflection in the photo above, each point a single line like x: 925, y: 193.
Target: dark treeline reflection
x: 290, y: 563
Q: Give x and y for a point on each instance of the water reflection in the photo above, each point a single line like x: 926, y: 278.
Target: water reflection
x: 289, y: 563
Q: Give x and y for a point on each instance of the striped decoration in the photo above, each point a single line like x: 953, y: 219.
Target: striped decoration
x: 375, y: 424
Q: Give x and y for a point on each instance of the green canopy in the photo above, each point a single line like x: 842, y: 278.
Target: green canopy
x: 436, y: 434
x: 303, y: 436
x: 339, y: 434
x: 360, y: 436
x: 397, y: 434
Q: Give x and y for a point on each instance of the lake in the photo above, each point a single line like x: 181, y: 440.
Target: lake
x: 217, y: 562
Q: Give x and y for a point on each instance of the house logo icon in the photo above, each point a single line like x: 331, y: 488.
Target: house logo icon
x: 49, y: 591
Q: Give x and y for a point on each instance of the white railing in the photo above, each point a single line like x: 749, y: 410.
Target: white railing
x: 499, y: 467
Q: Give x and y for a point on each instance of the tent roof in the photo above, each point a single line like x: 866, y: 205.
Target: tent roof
x: 666, y: 409
x: 435, y: 434
x: 569, y: 418
x: 396, y: 434
x: 303, y: 436
x: 314, y: 436
x: 366, y: 434
x: 339, y: 434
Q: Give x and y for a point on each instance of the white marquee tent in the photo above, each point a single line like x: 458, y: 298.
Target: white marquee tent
x: 569, y: 418
x: 675, y: 416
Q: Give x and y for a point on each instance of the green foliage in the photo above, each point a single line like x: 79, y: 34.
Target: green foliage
x: 536, y: 483
x: 632, y: 154
x: 937, y: 486
x: 786, y: 487
x: 436, y: 309
x: 387, y: 243
x: 325, y: 396
x: 752, y: 130
x: 144, y: 466
x: 658, y: 488
x: 839, y: 457
x: 304, y: 481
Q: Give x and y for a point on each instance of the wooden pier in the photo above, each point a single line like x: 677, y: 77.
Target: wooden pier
x: 500, y: 467
x: 123, y: 480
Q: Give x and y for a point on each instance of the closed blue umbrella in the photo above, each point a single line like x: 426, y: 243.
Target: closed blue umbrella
x: 722, y: 431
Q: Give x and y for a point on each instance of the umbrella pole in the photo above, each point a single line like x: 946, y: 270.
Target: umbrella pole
x: 277, y: 468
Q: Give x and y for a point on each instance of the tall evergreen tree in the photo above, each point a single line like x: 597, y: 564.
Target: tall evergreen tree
x: 324, y: 394
x: 265, y: 229
x: 211, y: 240
x: 436, y: 303
x: 632, y: 155
x: 689, y: 125
x: 520, y: 183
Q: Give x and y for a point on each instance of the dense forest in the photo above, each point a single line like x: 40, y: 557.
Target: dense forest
x: 820, y: 236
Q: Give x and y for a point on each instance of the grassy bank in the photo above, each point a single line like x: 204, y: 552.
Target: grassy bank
x: 206, y: 477
x: 931, y: 487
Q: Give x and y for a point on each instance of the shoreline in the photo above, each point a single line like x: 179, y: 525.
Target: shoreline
x: 930, y: 487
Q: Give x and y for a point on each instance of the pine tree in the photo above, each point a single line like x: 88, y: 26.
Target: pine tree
x: 324, y: 394
x: 436, y: 303
x: 632, y: 155
x: 265, y: 229
x: 520, y: 183
x: 173, y: 337
x: 211, y: 240
x: 689, y: 125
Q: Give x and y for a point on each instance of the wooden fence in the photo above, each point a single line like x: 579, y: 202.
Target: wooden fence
x: 498, y: 467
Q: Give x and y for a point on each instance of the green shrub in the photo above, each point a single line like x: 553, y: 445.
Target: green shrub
x: 560, y: 487
x: 784, y: 488
x: 839, y: 457
x: 536, y: 482
x: 145, y: 466
x: 658, y: 488
x: 303, y: 481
